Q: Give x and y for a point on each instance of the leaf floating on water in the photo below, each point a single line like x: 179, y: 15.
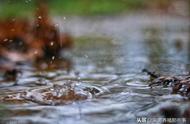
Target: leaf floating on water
x: 180, y: 84
x: 54, y: 95
x: 13, y: 99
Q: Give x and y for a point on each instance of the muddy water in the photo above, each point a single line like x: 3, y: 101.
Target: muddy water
x: 109, y: 54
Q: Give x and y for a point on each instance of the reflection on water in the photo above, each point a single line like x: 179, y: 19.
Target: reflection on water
x: 109, y: 59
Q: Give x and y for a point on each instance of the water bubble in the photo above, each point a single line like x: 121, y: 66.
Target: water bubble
x: 64, y: 18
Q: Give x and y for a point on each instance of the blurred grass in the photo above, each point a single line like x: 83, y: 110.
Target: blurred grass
x: 9, y: 8
x: 2, y: 111
x: 12, y: 8
x: 94, y: 7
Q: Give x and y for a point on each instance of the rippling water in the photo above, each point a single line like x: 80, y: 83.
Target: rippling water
x: 109, y: 54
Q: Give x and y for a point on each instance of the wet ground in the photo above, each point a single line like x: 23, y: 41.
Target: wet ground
x: 109, y: 55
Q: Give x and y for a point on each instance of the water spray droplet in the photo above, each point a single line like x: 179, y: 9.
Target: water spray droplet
x: 39, y: 17
x: 56, y: 25
x: 35, y: 52
x: 6, y: 39
x: 52, y: 43
x: 53, y: 57
x: 86, y: 56
x: 12, y: 29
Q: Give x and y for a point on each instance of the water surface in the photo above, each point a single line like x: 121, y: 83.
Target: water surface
x: 109, y: 54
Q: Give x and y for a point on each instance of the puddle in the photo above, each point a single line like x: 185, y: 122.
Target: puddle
x: 105, y: 77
